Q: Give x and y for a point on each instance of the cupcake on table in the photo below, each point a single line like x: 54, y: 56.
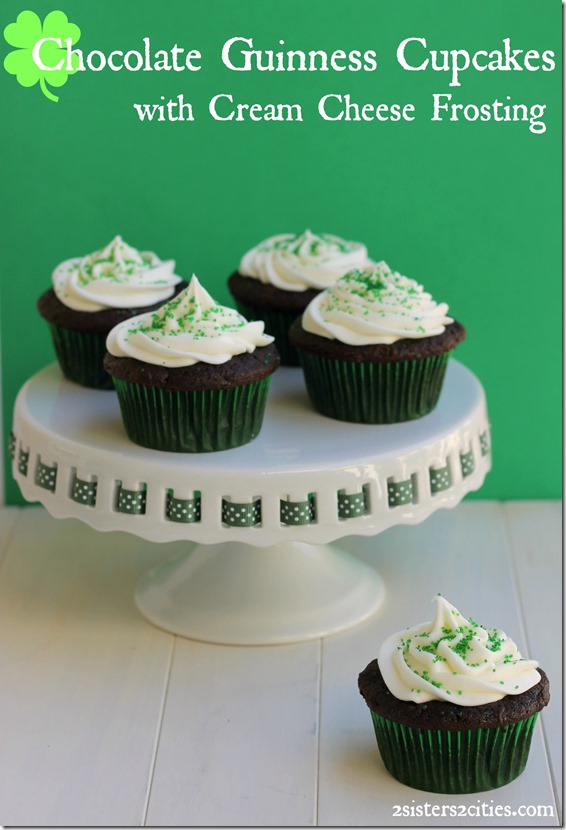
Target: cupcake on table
x: 453, y: 704
x: 92, y: 294
x: 278, y: 278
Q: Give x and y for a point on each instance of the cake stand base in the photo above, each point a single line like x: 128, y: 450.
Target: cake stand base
x: 304, y: 481
x: 236, y: 594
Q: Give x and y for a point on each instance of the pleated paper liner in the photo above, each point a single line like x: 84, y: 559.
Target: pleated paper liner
x: 277, y: 324
x: 80, y: 355
x: 439, y: 761
x: 373, y: 393
x: 187, y: 421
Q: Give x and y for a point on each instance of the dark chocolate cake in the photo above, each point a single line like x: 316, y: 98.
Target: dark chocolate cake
x: 266, y: 297
x: 406, y: 349
x: 438, y: 714
x: 95, y: 322
x: 240, y: 370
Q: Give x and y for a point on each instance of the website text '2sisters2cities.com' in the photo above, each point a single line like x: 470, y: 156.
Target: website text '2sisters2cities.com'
x: 238, y: 54
x: 481, y: 809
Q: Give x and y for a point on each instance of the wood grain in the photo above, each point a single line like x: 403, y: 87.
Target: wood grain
x: 107, y: 720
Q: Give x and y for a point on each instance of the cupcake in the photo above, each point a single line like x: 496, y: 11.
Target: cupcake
x: 453, y: 704
x: 374, y: 347
x: 92, y: 294
x: 192, y: 376
x: 278, y: 278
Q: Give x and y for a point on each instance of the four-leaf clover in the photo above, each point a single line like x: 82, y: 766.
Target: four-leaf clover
x: 24, y: 34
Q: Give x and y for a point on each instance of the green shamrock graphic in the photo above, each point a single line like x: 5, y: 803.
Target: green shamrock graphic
x: 24, y: 34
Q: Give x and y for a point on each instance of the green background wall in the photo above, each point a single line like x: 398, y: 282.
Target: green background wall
x: 472, y: 210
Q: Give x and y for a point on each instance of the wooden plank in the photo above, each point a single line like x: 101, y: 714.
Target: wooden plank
x: 463, y: 554
x: 8, y: 519
x: 535, y: 530
x: 239, y: 740
x: 83, y: 676
x: 85, y: 679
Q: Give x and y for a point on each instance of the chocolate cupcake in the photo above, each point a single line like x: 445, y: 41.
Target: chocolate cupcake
x: 92, y: 294
x: 192, y: 376
x: 374, y: 347
x: 453, y: 704
x: 278, y: 278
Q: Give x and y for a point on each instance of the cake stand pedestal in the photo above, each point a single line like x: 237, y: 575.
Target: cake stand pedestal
x: 263, y: 515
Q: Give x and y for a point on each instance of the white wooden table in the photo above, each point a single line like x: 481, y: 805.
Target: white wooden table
x: 109, y: 721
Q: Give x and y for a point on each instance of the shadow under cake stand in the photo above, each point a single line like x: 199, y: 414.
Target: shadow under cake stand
x: 263, y: 515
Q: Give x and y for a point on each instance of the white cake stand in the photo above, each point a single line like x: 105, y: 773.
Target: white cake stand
x: 262, y: 515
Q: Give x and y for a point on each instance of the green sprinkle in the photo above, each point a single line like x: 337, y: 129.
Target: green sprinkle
x: 494, y: 642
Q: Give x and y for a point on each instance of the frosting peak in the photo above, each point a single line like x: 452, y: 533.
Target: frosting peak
x: 189, y: 329
x: 297, y: 262
x: 375, y: 305
x: 118, y: 276
x: 454, y: 659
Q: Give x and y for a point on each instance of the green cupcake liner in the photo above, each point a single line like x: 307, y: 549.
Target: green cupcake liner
x: 80, y: 355
x: 277, y: 324
x: 440, y: 761
x: 183, y: 421
x: 373, y: 393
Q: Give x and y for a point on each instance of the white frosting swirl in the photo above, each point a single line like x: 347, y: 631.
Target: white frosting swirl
x: 118, y: 276
x: 375, y: 305
x: 189, y: 329
x: 298, y: 262
x: 455, y: 660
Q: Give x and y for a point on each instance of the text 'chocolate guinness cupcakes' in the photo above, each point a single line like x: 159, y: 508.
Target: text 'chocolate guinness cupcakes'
x: 453, y: 704
x: 278, y: 278
x: 192, y: 376
x: 92, y: 294
x: 374, y: 347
